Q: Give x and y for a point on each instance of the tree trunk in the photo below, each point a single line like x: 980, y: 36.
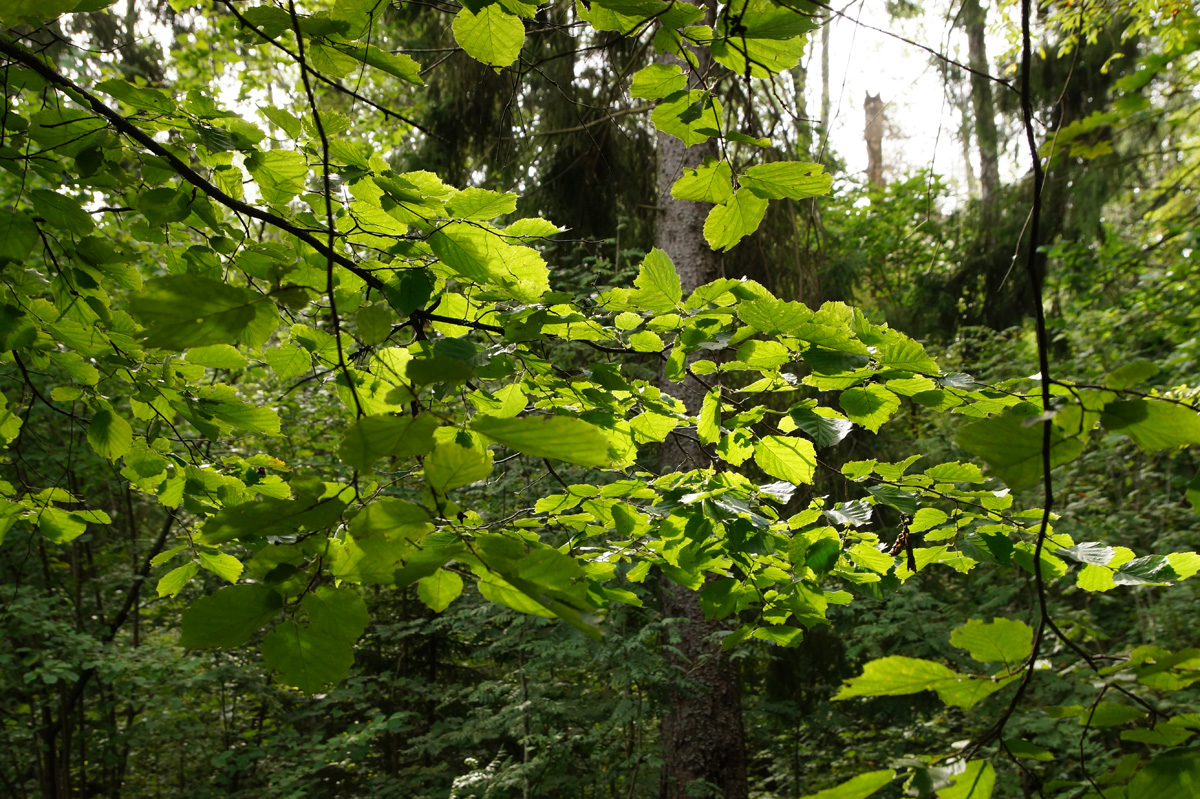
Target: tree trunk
x: 975, y: 20
x: 873, y: 133
x: 826, y: 123
x: 703, y: 743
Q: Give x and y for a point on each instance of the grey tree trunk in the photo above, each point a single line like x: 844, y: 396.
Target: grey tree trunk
x: 986, y: 137
x: 703, y: 743
x: 873, y: 133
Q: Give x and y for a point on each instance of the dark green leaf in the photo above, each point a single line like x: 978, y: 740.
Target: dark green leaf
x: 1013, y: 449
x: 1153, y: 424
x: 182, y: 311
x: 229, y: 617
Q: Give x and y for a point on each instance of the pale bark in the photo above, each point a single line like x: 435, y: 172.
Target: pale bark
x: 986, y: 137
x: 873, y: 133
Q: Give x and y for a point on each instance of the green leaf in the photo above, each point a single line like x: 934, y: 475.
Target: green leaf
x: 901, y: 352
x: 182, y: 311
x: 766, y: 39
x: 824, y: 425
x: 280, y: 174
x: 339, y: 613
x: 270, y: 516
x: 761, y: 355
x: 451, y: 465
x: 1130, y: 375
x: 163, y: 206
x: 492, y: 36
x: 787, y: 458
x: 62, y: 212
x: 1174, y: 774
x: 374, y: 323
x: 226, y: 567
x: 927, y: 519
x: 481, y: 204
x: 956, y: 472
x: 175, y: 580
x: 560, y: 437
x: 1028, y: 750
x: 439, y: 589
x: 1107, y: 714
x: 110, y: 435
x: 772, y: 316
x: 898, y: 676
x: 646, y: 341
x: 658, y: 80
x: 1013, y: 449
x: 977, y: 781
x: 1146, y: 570
x: 780, y: 634
x: 60, y: 526
x: 998, y: 641
x: 786, y: 180
x: 1090, y: 552
x: 708, y: 427
x: 691, y: 116
x: 397, y: 65
x: 857, y: 787
x: 869, y: 406
x: 1153, y: 424
x: 288, y: 360
x: 229, y: 617
x: 731, y: 221
x: 18, y: 236
x: 710, y: 182
x: 374, y: 437
x: 32, y: 12
x: 217, y: 356
x: 306, y: 658
x: 657, y: 283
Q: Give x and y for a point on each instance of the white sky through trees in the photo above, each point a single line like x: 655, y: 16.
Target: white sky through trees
x: 923, y: 125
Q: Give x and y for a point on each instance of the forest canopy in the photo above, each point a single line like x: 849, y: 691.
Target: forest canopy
x: 498, y: 399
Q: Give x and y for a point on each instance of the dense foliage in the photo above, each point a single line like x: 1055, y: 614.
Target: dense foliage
x: 333, y: 465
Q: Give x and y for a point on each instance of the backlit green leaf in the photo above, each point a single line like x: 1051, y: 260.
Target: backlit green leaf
x: 175, y: 580
x: 787, y: 458
x: 707, y: 183
x: 786, y: 179
x: 439, y: 589
x: 998, y: 641
x: 735, y: 218
x: 373, y: 437
x: 226, y: 567
x: 869, y: 406
x: 493, y: 36
x: 857, y: 787
x: 560, y: 437
x: 658, y: 80
x: 708, y: 427
x: 451, y: 465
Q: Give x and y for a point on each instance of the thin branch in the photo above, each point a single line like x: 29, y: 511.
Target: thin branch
x: 122, y: 124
